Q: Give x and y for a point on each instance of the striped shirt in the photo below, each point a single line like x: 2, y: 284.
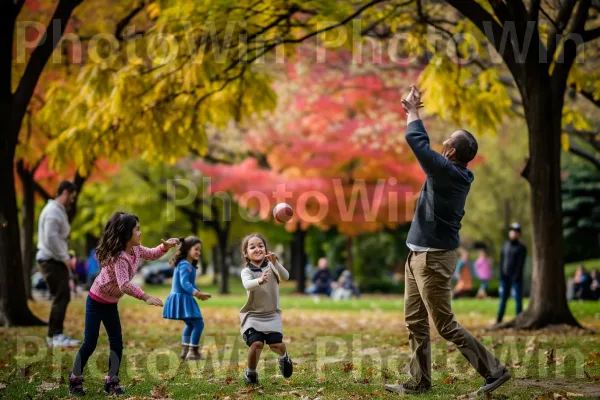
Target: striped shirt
x: 115, y: 278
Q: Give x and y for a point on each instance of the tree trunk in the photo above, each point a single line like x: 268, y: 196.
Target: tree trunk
x: 298, y: 259
x: 79, y: 181
x: 293, y: 272
x: 14, y: 310
x: 349, y: 258
x: 548, y: 300
x: 216, y: 263
x: 27, y: 220
x: 224, y: 268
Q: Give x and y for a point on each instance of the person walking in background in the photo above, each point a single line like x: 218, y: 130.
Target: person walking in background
x: 512, y: 263
x: 483, y: 269
x: 55, y: 261
x: 464, y: 285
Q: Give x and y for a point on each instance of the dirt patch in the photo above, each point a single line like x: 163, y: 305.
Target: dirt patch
x: 558, y: 385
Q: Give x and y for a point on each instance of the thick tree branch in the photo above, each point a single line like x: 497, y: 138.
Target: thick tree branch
x: 564, y: 14
x: 39, y: 57
x: 591, y: 34
x: 593, y: 138
x: 589, y: 96
x: 586, y: 155
x: 569, y: 48
x: 485, y: 22
x: 518, y: 10
x: 501, y: 10
x: 534, y: 10
x: 41, y: 191
x: 122, y: 24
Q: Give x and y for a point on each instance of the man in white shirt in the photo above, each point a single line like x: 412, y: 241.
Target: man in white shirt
x: 53, y: 258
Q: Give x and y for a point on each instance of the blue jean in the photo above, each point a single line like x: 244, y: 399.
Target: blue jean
x: 505, y: 291
x: 319, y: 290
x: 107, y: 314
x: 192, y: 331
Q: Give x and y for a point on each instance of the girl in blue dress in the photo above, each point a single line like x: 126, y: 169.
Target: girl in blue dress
x: 180, y: 304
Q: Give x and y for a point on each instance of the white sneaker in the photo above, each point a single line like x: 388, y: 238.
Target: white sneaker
x: 61, y: 340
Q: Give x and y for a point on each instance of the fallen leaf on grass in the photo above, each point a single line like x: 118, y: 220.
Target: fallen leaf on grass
x: 32, y: 377
x: 347, y: 367
x: 320, y: 391
x: 47, y: 386
x: 2, y: 386
x: 228, y: 380
x: 449, y: 380
x: 160, y: 391
x: 590, y: 364
x: 516, y: 364
x: 595, y: 354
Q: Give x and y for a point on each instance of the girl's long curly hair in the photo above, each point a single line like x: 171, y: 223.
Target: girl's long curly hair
x: 116, y: 234
x: 184, y: 247
x: 247, y: 240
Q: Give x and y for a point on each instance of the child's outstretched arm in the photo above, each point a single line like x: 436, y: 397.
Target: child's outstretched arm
x: 283, y: 273
x: 157, y: 252
x: 248, y: 281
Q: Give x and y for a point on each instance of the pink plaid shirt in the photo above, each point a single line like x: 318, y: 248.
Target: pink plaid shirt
x: 115, y: 278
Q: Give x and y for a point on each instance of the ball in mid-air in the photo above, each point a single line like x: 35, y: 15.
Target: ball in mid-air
x: 283, y: 212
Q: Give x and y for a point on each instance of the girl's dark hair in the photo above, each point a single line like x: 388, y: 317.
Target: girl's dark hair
x: 116, y: 234
x: 247, y: 239
x: 184, y: 247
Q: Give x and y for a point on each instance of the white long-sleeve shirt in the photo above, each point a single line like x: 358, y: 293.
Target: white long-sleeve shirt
x: 262, y: 311
x: 53, y: 233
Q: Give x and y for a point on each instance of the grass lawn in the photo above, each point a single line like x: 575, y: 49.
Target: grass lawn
x: 340, y: 349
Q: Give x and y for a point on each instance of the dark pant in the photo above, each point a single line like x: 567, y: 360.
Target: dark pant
x: 505, y: 288
x: 108, y: 314
x: 56, y: 276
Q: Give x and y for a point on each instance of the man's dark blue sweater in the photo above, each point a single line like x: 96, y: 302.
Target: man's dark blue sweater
x: 441, y: 204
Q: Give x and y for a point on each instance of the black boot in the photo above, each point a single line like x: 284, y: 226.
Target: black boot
x: 184, y: 351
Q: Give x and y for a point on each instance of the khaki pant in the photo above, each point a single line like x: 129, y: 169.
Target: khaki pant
x: 428, y: 293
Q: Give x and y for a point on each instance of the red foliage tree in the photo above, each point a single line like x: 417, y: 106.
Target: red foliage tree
x: 334, y: 150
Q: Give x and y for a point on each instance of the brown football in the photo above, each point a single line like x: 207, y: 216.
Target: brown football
x: 283, y: 212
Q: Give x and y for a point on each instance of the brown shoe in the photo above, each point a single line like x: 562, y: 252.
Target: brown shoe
x: 184, y: 351
x: 193, y: 354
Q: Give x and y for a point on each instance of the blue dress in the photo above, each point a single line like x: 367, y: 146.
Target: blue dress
x: 181, y: 303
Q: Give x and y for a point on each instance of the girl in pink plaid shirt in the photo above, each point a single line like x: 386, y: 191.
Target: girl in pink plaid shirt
x: 119, y: 253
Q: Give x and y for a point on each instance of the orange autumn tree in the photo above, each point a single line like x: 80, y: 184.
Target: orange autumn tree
x: 334, y: 150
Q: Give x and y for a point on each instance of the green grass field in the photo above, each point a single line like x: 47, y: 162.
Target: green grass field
x: 340, y: 349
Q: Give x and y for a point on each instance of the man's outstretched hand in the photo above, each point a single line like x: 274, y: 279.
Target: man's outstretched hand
x: 412, y: 103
